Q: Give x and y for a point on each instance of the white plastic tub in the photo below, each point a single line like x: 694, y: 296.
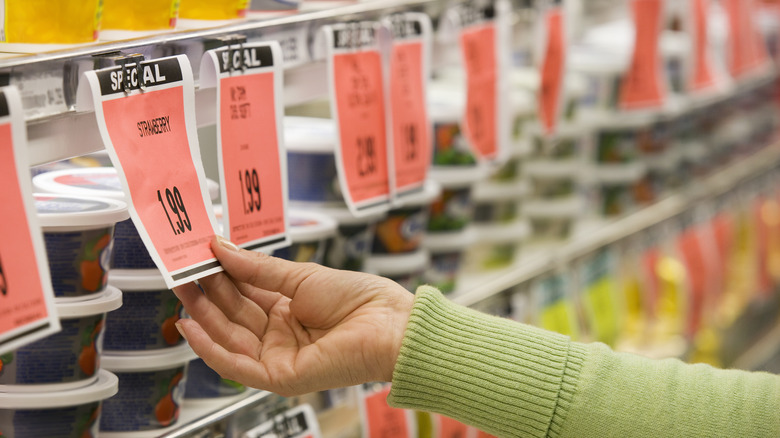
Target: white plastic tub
x: 351, y: 243
x: 78, y: 235
x: 498, y: 203
x: 145, y: 322
x: 405, y: 269
x: 311, y: 145
x: 447, y: 252
x: 56, y: 414
x: 151, y: 390
x: 129, y: 250
x: 67, y: 359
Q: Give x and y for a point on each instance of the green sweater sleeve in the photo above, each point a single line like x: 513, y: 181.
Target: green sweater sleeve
x: 514, y: 380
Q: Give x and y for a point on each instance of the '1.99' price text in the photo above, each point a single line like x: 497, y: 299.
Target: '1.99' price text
x: 176, y: 205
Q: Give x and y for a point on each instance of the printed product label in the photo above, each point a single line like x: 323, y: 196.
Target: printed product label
x: 452, y: 211
x: 402, y: 231
x: 303, y: 252
x: 79, y: 260
x: 79, y: 421
x: 350, y: 247
x: 450, y: 147
x: 129, y: 249
x: 144, y: 322
x: 71, y: 355
x: 315, y: 178
x: 443, y: 272
x: 145, y: 401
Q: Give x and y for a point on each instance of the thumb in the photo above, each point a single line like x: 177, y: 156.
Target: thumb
x: 261, y: 270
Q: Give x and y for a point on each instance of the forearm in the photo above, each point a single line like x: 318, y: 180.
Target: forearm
x: 514, y: 380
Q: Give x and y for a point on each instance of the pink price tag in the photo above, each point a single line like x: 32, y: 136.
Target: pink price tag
x: 747, y: 52
x: 358, y: 104
x: 410, y: 126
x: 478, y: 46
x: 382, y: 420
x: 26, y: 295
x: 449, y: 428
x: 702, y: 76
x: 552, y: 72
x: 150, y: 136
x: 689, y: 245
x: 644, y: 86
x: 253, y: 171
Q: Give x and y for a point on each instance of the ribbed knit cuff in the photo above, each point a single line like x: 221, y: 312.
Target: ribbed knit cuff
x: 505, y: 378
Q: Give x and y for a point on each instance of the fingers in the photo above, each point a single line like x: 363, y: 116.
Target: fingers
x: 211, y: 319
x: 260, y: 270
x: 229, y: 365
x: 242, y: 310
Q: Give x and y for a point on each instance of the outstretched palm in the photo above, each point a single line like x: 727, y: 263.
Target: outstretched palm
x: 293, y: 328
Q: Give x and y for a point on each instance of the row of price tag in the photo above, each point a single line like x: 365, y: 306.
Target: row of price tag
x: 146, y: 117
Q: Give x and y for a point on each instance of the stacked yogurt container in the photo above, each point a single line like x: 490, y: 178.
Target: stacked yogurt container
x: 55, y: 386
x: 449, y: 231
x: 143, y: 347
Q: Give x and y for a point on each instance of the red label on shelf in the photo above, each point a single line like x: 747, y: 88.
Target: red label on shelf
x: 151, y: 139
x: 553, y: 67
x: 449, y: 428
x: 381, y: 420
x: 746, y: 47
x: 702, y: 76
x: 358, y: 105
x: 478, y: 46
x: 723, y: 237
x: 410, y: 127
x: 643, y: 85
x: 253, y: 174
x: 26, y: 295
x: 690, y: 247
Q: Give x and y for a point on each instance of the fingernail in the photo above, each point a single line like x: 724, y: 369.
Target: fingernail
x: 227, y: 244
x: 180, y: 329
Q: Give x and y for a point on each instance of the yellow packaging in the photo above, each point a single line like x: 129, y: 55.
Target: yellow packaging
x: 51, y: 21
x: 213, y: 9
x: 140, y: 14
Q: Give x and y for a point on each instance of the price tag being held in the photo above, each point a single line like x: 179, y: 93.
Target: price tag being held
x: 553, y: 69
x: 358, y: 108
x: 252, y: 163
x: 146, y: 116
x: 27, y: 311
x: 410, y: 130
x: 478, y: 44
x: 644, y: 85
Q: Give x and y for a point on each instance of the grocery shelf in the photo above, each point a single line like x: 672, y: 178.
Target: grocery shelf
x: 48, y: 80
x: 531, y: 264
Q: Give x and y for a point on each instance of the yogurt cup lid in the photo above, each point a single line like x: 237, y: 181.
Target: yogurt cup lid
x: 343, y: 216
x: 92, y: 181
x: 109, y: 300
x: 307, y: 226
x: 430, y: 191
x: 501, y: 233
x: 486, y: 191
x: 118, y: 361
x: 398, y: 264
x: 106, y: 385
x: 59, y: 210
x: 87, y: 181
x: 458, y: 176
x: 449, y: 241
x: 128, y: 280
x: 590, y: 59
x: 310, y: 134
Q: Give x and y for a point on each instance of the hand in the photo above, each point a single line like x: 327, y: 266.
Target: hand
x: 293, y: 328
